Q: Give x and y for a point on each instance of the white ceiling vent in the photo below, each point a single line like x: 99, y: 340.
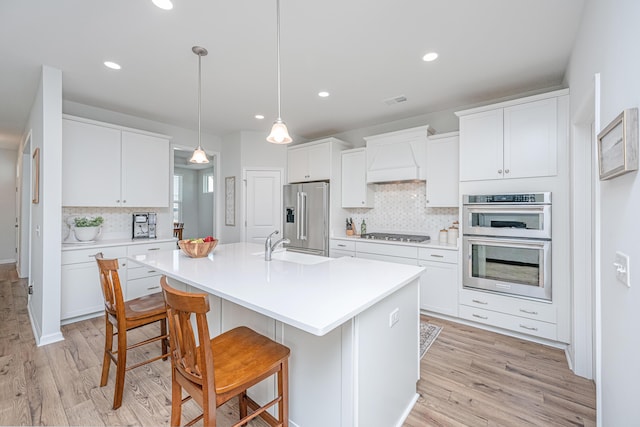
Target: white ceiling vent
x: 395, y: 100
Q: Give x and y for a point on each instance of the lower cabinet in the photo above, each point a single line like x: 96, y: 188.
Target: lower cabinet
x: 81, y: 294
x: 340, y: 248
x: 439, y: 282
x: 515, y: 314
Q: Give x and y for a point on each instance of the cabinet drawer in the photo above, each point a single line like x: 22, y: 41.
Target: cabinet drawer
x: 438, y: 255
x: 343, y: 245
x: 384, y: 249
x: 143, y: 286
x: 141, y: 249
x: 88, y: 255
x: 512, y: 323
x: 137, y: 271
x: 338, y: 253
x: 513, y: 306
x: 388, y: 258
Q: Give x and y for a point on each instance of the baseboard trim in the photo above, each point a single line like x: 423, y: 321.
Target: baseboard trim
x: 7, y: 261
x: 37, y: 332
x: 407, y: 410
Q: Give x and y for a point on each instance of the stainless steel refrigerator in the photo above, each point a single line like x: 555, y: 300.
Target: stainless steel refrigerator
x: 306, y: 217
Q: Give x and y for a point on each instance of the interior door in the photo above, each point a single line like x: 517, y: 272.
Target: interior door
x: 263, y: 204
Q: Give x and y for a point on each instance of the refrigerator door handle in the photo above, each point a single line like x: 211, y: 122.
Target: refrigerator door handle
x: 303, y: 216
x: 299, y: 215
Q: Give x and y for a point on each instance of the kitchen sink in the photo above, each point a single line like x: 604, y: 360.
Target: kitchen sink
x: 295, y: 257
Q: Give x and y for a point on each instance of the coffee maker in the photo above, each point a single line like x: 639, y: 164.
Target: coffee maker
x: 144, y: 225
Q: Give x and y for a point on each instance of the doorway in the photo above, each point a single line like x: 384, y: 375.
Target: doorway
x: 194, y: 191
x: 23, y: 205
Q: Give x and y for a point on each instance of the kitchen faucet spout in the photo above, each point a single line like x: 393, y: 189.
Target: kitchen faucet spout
x: 269, y: 248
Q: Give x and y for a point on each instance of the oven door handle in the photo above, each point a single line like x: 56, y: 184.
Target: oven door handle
x: 517, y: 243
x: 510, y: 210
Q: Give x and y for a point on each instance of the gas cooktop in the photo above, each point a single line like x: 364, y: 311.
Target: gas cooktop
x: 409, y: 238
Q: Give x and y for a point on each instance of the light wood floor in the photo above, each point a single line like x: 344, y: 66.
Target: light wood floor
x: 469, y: 377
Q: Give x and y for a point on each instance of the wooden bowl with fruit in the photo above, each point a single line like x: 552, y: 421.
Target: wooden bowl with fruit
x: 198, y: 248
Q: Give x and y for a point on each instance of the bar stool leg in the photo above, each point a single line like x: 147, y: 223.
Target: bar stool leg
x: 121, y: 366
x: 108, y: 346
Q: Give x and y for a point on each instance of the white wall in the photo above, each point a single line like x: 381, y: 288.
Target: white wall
x: 45, y: 122
x: 607, y: 43
x: 8, y: 212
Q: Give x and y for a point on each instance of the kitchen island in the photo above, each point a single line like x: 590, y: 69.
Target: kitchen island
x: 351, y: 324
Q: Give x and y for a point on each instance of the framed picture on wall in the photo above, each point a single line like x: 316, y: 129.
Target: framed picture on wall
x: 618, y: 145
x: 230, y: 200
x: 35, y: 176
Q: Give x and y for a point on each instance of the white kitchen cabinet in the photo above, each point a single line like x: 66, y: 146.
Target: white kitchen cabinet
x: 108, y: 166
x: 309, y: 162
x: 528, y: 317
x: 91, y: 164
x: 81, y: 294
x: 339, y: 248
x: 514, y: 139
x: 143, y: 280
x: 145, y: 170
x: 439, y: 282
x: 356, y: 193
x: 443, y: 170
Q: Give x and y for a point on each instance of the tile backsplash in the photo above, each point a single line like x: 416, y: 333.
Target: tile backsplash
x: 117, y: 221
x: 402, y: 207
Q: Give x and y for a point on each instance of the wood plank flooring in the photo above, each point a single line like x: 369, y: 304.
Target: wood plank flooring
x: 469, y: 377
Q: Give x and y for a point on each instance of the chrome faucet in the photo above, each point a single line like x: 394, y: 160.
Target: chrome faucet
x: 269, y: 248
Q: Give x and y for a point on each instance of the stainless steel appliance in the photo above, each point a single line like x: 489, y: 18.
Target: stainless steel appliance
x: 507, y: 244
x: 144, y: 225
x: 306, y: 217
x: 408, y: 238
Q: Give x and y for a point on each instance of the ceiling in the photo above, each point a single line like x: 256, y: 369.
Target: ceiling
x: 362, y: 52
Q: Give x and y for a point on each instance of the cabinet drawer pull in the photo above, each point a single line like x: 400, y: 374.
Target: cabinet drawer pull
x: 153, y: 249
x: 437, y: 256
x: 340, y: 245
x: 151, y: 271
x: 481, y: 317
x: 153, y: 287
x: 477, y: 301
x: 522, y: 310
x: 530, y: 328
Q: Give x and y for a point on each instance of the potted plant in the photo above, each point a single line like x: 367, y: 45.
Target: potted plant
x: 87, y: 229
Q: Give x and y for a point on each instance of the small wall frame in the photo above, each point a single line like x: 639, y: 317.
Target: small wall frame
x: 618, y: 145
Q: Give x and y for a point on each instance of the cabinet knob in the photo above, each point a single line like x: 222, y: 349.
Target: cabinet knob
x: 124, y: 201
x: 117, y: 201
x: 363, y: 202
x: 506, y: 171
x: 499, y: 171
x: 427, y: 200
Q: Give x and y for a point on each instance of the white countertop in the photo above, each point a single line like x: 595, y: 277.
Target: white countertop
x: 430, y: 244
x: 69, y: 246
x: 315, y: 298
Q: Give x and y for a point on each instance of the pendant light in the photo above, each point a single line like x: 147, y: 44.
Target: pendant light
x: 279, y: 133
x: 199, y: 156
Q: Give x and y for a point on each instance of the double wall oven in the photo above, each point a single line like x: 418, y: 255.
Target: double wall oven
x: 507, y: 243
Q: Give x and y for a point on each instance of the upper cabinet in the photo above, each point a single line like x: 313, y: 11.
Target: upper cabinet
x: 108, y: 166
x: 442, y: 170
x: 356, y: 193
x: 312, y: 161
x: 398, y: 156
x: 514, y: 139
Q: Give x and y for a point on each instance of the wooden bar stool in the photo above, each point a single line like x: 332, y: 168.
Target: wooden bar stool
x: 125, y: 316
x: 224, y: 367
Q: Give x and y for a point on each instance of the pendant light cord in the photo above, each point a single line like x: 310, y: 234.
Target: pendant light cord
x: 278, y: 52
x: 199, y: 96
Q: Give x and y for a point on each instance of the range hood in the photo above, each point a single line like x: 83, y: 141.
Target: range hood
x: 397, y: 156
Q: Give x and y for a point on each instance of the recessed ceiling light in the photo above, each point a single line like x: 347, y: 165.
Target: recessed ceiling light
x: 323, y: 94
x: 112, y: 65
x: 259, y: 116
x: 431, y: 56
x: 163, y: 4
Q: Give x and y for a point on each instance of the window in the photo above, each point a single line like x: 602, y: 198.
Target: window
x: 207, y: 182
x: 177, y: 198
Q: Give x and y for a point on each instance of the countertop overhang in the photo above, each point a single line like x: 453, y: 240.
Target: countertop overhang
x: 315, y: 298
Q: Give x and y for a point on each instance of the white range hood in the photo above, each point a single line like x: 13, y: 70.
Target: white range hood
x: 398, y: 156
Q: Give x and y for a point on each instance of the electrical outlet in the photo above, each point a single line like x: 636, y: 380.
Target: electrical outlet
x: 621, y: 264
x: 394, y: 316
